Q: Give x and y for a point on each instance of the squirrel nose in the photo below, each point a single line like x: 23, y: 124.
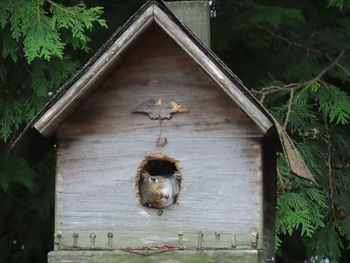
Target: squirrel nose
x: 165, y: 196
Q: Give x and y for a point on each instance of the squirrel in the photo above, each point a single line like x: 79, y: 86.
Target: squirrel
x: 159, y: 191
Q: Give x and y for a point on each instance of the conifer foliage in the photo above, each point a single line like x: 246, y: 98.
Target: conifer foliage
x: 35, y: 35
x: 293, y: 55
x: 41, y: 43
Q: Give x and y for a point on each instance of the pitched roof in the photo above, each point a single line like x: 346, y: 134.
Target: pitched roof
x: 37, y: 136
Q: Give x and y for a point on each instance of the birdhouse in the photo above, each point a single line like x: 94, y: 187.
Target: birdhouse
x: 160, y: 148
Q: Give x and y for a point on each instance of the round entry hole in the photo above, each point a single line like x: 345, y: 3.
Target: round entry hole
x: 158, y: 181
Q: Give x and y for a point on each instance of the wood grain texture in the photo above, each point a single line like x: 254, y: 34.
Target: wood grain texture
x: 101, y: 146
x: 195, y: 15
x: 232, y: 90
x: 205, y: 256
x: 53, y: 118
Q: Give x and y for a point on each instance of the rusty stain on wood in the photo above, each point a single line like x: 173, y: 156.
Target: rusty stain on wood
x: 160, y: 109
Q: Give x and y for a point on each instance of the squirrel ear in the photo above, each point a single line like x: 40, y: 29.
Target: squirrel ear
x: 145, y: 175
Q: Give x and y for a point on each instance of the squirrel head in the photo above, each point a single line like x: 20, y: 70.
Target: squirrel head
x: 158, y: 191
x: 151, y: 186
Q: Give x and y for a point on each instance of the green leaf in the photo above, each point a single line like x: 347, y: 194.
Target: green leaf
x: 42, y: 41
x: 335, y: 103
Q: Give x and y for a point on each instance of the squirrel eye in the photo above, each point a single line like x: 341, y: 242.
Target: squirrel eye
x: 153, y: 180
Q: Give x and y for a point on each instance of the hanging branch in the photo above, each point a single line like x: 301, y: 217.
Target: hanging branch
x: 333, y: 64
x: 343, y: 68
x: 293, y: 43
x: 329, y: 164
x: 296, y: 86
x: 289, y: 108
x: 330, y: 175
x: 38, y: 13
x: 60, y: 7
x: 262, y: 99
x: 330, y: 178
x: 274, y: 89
x: 279, y: 175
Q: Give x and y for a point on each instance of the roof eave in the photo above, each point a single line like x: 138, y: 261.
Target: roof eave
x: 53, y: 117
x: 71, y: 95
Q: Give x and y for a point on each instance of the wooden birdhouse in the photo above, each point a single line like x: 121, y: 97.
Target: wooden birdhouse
x: 160, y: 148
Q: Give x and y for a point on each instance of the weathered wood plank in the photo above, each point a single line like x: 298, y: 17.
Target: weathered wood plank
x: 209, y: 256
x: 211, y: 112
x: 54, y: 117
x: 195, y: 15
x: 102, y: 145
x: 95, y: 190
x: 211, y: 69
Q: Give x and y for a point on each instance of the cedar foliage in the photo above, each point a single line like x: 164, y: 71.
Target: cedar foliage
x: 42, y: 44
x: 293, y: 55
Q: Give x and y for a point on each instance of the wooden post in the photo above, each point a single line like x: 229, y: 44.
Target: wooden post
x: 195, y: 15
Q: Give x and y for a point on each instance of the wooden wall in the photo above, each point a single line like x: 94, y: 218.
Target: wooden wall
x: 101, y: 146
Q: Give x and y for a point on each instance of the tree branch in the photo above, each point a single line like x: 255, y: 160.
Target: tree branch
x: 333, y: 64
x: 38, y: 13
x: 293, y: 87
x: 290, y: 103
x: 275, y: 89
x: 330, y: 172
x: 343, y: 68
x: 293, y: 43
x: 280, y: 179
x: 296, y: 86
x: 302, y: 46
x: 60, y: 7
